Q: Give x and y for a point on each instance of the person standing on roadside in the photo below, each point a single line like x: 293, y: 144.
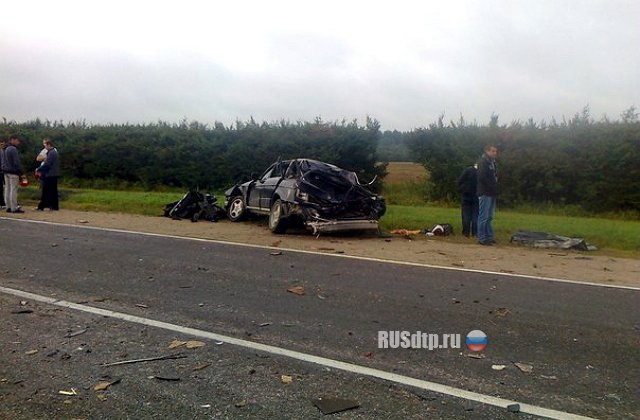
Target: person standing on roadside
x: 49, y: 172
x: 2, y: 202
x: 487, y: 194
x: 12, y: 170
x: 468, y: 187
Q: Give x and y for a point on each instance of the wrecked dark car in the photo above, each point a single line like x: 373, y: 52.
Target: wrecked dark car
x: 320, y: 196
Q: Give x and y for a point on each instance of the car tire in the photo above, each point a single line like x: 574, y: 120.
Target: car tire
x: 237, y: 209
x: 277, y: 217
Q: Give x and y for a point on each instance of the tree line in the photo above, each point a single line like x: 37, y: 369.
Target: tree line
x: 576, y: 161
x: 191, y: 154
x: 579, y: 161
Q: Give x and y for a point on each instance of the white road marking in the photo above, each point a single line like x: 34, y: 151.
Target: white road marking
x: 302, y: 251
x: 309, y: 358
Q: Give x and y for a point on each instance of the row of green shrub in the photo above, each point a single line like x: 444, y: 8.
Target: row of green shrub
x: 190, y: 154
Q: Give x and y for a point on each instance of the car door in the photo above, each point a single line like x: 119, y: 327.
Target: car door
x: 268, y: 185
x: 254, y: 194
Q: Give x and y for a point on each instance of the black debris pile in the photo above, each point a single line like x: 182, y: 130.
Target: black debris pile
x: 548, y: 240
x: 441, y: 229
x: 195, y: 206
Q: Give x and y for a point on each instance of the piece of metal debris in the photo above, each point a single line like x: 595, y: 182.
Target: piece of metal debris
x: 148, y: 359
x: 103, y: 385
x: 328, y: 405
x: 72, y: 392
x: 286, y: 379
x: 498, y: 367
x: 193, y: 344
x: 75, y: 333
x: 524, y: 367
x: 297, y: 290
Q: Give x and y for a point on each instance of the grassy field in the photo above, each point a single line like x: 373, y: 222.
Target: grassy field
x: 614, y: 237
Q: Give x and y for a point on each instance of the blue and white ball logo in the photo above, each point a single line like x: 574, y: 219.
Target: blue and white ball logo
x: 476, y: 340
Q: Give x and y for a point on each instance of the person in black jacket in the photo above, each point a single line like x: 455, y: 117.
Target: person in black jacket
x: 2, y: 146
x: 468, y: 187
x: 49, y: 173
x: 487, y: 194
x: 12, y: 170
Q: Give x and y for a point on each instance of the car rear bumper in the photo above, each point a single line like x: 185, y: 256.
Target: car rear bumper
x: 342, y: 226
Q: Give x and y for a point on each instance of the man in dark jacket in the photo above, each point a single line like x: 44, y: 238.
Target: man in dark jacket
x: 49, y: 173
x: 468, y: 187
x: 12, y: 170
x: 2, y: 146
x: 487, y: 194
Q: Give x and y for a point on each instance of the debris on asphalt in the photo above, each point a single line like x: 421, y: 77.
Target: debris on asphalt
x: 265, y: 324
x: 201, y: 366
x: 194, y: 344
x: 148, y: 359
x: 83, y: 221
x: 31, y: 352
x: 455, y: 300
x: 103, y: 385
x: 475, y: 355
x: 71, y: 392
x: 501, y: 312
x: 276, y: 253
x: 176, y: 343
x: 286, y: 379
x: 524, y: 367
x: 22, y: 311
x: 329, y: 405
x: 24, y: 303
x: 165, y: 378
x: 368, y: 354
x: 75, y: 333
x: 205, y: 406
x: 552, y: 377
x: 240, y: 404
x: 513, y: 408
x: 498, y: 367
x: 321, y: 297
x: 219, y: 343
x: 142, y: 305
x: 296, y: 290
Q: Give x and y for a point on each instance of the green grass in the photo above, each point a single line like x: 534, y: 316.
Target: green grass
x: 613, y: 237
x: 608, y: 235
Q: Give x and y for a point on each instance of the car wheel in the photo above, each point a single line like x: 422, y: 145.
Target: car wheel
x: 236, y: 209
x: 277, y: 220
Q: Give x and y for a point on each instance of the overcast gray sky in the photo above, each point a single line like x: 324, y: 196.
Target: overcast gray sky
x: 402, y: 62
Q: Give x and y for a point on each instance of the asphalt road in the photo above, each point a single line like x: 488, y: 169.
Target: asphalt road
x: 582, y: 341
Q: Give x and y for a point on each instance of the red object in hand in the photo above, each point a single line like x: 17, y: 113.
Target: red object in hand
x: 24, y: 182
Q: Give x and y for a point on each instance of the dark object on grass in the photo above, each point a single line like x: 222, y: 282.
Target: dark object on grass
x: 441, y: 229
x: 334, y: 405
x: 195, y: 206
x: 548, y: 240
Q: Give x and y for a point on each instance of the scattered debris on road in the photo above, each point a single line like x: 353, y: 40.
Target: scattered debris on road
x: 31, y: 352
x: 22, y: 311
x: 240, y: 404
x: 201, y: 366
x: 103, y: 385
x: 194, y: 344
x: 165, y: 378
x: 75, y: 333
x: 286, y: 379
x: 148, y: 359
x: 71, y: 392
x: 296, y: 290
x: 498, y: 367
x: 475, y: 355
x: 142, y: 305
x: 275, y: 253
x: 524, y: 367
x: 329, y: 405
